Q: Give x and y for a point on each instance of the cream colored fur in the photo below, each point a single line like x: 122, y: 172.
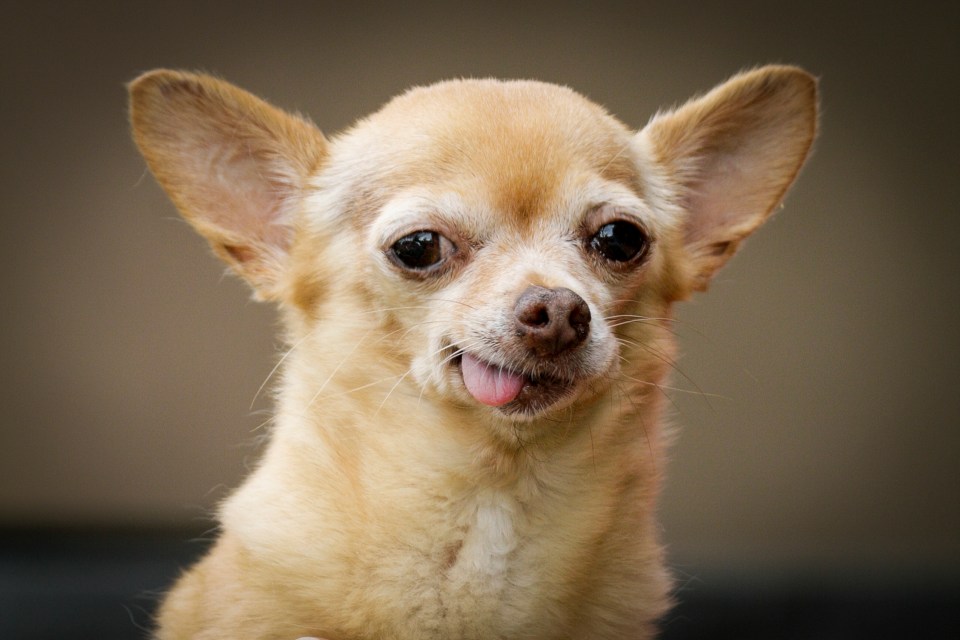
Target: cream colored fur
x: 390, y: 502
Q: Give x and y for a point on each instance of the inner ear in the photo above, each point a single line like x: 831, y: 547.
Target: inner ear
x: 240, y: 254
x: 236, y: 167
x: 719, y: 249
x: 730, y: 156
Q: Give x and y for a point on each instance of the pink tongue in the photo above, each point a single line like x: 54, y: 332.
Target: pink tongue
x: 490, y: 384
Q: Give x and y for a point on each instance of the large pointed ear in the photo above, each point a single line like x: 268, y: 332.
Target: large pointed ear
x: 236, y: 167
x: 729, y: 157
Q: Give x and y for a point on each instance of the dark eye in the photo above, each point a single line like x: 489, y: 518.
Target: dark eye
x: 619, y: 241
x: 421, y: 250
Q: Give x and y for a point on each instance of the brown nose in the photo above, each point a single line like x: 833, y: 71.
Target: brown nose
x: 550, y: 321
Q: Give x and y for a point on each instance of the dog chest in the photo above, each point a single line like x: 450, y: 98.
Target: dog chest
x: 494, y: 572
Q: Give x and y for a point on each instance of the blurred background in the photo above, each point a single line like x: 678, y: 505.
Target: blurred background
x: 814, y: 489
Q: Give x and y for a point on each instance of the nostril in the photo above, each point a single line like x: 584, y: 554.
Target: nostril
x: 533, y: 313
x: 580, y: 312
x: 580, y: 315
x: 551, y: 320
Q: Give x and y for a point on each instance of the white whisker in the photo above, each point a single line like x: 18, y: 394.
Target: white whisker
x: 337, y: 368
x: 278, y: 365
x: 662, y: 357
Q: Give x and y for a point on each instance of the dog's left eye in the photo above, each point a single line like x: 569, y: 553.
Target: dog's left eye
x: 421, y: 250
x: 620, y: 241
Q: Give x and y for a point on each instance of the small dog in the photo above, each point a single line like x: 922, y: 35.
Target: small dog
x: 477, y: 286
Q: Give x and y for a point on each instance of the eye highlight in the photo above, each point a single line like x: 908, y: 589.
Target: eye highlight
x: 421, y: 250
x: 620, y: 241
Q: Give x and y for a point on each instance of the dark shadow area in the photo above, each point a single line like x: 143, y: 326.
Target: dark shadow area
x: 805, y: 610
x: 58, y: 584
x: 87, y: 584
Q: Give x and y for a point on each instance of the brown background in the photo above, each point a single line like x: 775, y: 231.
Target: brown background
x: 130, y: 362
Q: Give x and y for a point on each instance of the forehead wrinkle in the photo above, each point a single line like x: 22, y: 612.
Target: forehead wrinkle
x: 533, y: 180
x: 526, y: 167
x: 515, y: 144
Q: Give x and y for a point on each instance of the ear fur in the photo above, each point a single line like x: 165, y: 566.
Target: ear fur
x: 730, y: 156
x: 235, y: 166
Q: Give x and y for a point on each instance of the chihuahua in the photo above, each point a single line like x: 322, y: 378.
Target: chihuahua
x: 476, y: 286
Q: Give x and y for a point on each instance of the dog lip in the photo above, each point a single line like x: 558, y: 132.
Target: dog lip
x: 538, y: 391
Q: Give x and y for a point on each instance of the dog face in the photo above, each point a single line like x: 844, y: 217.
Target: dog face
x: 508, y: 248
x: 509, y: 242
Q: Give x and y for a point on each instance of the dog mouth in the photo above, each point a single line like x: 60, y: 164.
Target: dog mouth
x: 510, y: 391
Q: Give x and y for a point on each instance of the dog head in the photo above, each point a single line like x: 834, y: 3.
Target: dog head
x: 502, y: 247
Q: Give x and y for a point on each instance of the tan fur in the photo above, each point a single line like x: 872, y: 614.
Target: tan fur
x: 390, y: 503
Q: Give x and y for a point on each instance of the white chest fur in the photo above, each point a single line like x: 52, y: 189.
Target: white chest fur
x: 492, y: 538
x: 488, y: 583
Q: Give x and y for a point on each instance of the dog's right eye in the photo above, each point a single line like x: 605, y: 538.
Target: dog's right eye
x: 421, y: 250
x: 620, y: 241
